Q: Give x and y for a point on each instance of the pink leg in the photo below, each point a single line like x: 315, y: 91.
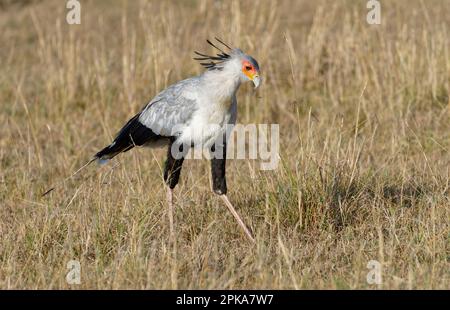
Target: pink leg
x: 237, y: 217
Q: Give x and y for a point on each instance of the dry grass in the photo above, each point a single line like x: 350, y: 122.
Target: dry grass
x: 365, y: 137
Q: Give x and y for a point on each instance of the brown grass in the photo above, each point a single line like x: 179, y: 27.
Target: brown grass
x: 365, y: 137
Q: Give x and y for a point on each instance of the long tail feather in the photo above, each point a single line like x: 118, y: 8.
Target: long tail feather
x: 69, y: 177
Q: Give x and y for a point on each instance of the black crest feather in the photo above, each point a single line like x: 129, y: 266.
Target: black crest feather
x: 213, y: 61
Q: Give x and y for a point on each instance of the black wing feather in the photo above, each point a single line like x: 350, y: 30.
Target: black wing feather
x: 134, y: 133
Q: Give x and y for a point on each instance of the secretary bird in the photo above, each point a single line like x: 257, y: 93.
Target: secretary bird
x: 180, y: 117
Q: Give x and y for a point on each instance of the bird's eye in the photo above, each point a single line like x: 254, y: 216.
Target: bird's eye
x: 248, y: 68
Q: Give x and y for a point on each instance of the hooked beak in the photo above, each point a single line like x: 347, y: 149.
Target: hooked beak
x: 256, y: 80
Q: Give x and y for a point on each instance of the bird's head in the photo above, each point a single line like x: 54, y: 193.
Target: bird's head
x: 250, y: 70
x: 235, y: 62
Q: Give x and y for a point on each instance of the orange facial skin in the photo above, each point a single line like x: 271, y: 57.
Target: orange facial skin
x: 248, y: 69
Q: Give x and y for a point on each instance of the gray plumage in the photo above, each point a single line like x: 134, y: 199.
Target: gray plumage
x: 169, y: 108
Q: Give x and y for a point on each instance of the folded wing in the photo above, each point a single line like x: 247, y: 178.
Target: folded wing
x: 162, y: 118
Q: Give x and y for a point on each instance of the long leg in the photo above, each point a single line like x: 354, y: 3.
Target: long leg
x: 218, y: 163
x: 172, y: 170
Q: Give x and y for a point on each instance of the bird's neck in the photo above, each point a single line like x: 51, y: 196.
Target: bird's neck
x: 222, y: 84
